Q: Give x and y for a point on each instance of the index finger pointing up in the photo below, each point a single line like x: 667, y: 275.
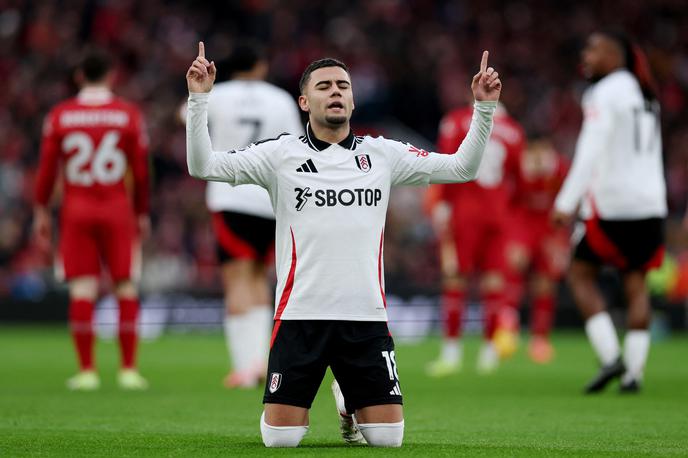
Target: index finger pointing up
x: 483, y: 62
x: 201, y: 50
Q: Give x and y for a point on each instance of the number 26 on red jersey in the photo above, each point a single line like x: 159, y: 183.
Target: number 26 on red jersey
x: 107, y: 162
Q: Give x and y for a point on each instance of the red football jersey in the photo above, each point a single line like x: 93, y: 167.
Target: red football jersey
x: 96, y: 138
x: 541, y: 174
x: 491, y: 191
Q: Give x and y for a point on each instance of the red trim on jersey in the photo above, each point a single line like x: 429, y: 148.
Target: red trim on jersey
x: 287, y: 290
x: 275, y: 330
x: 230, y: 242
x: 379, y: 268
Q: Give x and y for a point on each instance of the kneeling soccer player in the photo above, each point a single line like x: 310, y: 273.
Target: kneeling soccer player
x: 330, y: 191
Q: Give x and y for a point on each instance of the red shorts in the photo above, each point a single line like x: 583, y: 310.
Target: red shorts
x: 106, y: 234
x: 546, y: 248
x: 479, y: 243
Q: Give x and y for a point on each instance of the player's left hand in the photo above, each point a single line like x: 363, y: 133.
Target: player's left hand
x: 42, y: 228
x: 486, y: 85
x: 144, y: 226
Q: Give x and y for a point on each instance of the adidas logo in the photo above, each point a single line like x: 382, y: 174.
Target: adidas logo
x: 307, y: 166
x: 396, y: 390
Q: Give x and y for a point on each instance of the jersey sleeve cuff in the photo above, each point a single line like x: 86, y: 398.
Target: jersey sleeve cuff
x: 198, y: 97
x: 485, y: 106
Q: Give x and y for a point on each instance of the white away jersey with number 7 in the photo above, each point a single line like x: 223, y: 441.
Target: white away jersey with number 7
x: 241, y: 112
x: 617, y: 171
x: 330, y: 204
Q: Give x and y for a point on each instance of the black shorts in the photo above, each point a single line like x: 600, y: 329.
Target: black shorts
x: 241, y: 236
x: 624, y: 244
x: 360, y: 354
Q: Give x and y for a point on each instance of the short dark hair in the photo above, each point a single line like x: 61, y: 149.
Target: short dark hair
x: 95, y: 64
x: 244, y: 57
x: 321, y: 63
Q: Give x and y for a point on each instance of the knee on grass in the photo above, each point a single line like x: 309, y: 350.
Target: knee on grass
x: 383, y: 434
x: 281, y: 436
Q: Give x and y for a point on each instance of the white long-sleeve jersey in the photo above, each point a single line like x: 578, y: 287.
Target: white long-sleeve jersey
x: 330, y: 204
x: 617, y: 170
x: 241, y: 112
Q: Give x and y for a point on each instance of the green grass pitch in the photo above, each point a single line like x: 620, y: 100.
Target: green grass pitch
x: 523, y: 410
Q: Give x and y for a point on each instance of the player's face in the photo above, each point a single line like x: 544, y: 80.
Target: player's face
x: 328, y: 97
x: 539, y: 159
x: 596, y: 55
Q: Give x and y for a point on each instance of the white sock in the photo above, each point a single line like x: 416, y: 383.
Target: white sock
x: 281, y: 436
x: 636, y: 348
x: 261, y: 325
x: 383, y: 434
x: 602, y: 337
x: 237, y: 335
x: 452, y: 351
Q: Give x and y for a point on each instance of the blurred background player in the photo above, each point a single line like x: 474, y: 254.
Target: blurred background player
x: 617, y: 178
x: 535, y: 246
x: 99, y: 142
x: 242, y: 111
x: 470, y: 221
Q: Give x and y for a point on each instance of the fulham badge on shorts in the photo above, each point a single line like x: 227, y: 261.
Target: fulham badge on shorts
x: 275, y: 381
x: 363, y: 162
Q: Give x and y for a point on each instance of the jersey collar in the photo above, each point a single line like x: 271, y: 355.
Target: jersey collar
x: 95, y: 95
x: 314, y: 142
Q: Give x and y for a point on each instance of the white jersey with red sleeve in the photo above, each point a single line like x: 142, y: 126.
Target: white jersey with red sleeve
x: 330, y: 204
x: 96, y: 139
x: 617, y: 171
x: 241, y: 112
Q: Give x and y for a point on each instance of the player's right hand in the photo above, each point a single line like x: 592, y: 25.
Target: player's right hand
x: 42, y: 228
x: 144, y: 226
x: 561, y: 219
x: 201, y: 75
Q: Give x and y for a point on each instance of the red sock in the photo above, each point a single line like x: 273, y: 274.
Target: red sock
x: 81, y: 325
x: 542, y: 314
x: 492, y: 306
x: 128, y: 314
x: 452, y: 310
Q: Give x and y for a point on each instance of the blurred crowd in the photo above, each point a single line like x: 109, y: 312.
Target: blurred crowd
x: 410, y: 60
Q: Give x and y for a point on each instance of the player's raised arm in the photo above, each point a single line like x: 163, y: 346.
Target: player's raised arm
x: 463, y: 165
x: 251, y: 165
x: 486, y: 87
x: 199, y: 154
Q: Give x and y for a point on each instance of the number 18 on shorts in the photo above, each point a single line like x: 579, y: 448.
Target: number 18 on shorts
x: 360, y: 355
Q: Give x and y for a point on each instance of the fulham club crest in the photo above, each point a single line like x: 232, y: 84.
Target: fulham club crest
x: 275, y: 381
x: 363, y: 162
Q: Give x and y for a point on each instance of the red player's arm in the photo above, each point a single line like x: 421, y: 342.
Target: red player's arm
x: 139, y: 166
x: 48, y: 163
x: 564, y: 166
